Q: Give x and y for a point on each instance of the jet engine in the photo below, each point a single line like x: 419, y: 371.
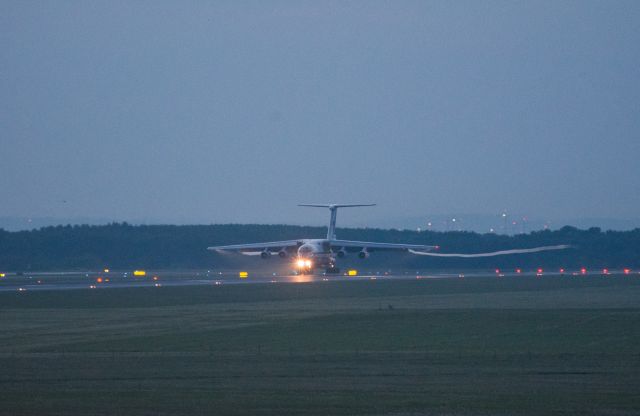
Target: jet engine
x: 265, y: 254
x: 283, y: 254
x: 364, y: 254
x: 342, y: 253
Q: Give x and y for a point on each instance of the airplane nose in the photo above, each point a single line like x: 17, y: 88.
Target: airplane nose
x: 305, y: 250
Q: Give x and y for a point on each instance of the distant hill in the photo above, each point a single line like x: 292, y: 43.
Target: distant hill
x: 124, y: 246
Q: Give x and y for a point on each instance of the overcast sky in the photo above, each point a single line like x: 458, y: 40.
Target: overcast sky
x: 216, y: 111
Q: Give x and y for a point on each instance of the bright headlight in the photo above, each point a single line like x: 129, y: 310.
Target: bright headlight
x: 300, y: 263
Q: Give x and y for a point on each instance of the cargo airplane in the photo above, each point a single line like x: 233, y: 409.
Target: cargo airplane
x: 316, y: 253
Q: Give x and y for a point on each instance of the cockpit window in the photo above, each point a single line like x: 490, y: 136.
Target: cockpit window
x: 305, y: 249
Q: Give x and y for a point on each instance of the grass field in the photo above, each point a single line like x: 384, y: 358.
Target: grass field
x: 481, y: 346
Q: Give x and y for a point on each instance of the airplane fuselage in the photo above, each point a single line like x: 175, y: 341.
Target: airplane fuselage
x: 317, y: 252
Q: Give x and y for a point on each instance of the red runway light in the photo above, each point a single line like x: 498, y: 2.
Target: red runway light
x: 498, y: 271
x: 605, y: 271
x: 561, y: 270
x: 540, y: 271
x: 627, y: 271
x: 518, y: 270
x: 583, y: 270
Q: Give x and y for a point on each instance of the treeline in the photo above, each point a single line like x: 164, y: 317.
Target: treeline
x: 124, y: 246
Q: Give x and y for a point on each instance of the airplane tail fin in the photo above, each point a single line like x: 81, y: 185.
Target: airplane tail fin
x: 331, y: 232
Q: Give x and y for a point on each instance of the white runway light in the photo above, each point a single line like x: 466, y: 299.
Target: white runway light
x: 494, y: 253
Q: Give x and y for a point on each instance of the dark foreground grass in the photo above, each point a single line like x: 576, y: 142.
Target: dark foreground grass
x: 487, y: 347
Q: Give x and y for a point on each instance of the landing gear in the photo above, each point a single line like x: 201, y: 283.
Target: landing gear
x: 332, y: 270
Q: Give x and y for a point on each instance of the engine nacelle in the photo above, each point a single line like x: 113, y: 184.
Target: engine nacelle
x: 342, y: 253
x: 364, y: 254
x: 265, y: 254
x: 283, y: 254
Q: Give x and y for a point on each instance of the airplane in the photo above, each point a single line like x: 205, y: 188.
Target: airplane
x: 317, y: 253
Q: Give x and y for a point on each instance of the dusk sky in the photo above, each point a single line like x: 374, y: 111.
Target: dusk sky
x: 216, y: 111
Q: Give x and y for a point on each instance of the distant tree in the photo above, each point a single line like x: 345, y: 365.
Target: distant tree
x: 125, y: 246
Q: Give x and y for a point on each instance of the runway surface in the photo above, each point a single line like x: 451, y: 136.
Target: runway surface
x: 125, y: 279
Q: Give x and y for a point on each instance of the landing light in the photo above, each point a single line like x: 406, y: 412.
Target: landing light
x: 302, y: 263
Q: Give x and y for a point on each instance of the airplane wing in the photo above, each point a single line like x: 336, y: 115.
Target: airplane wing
x: 257, y: 247
x: 380, y: 246
x: 494, y: 253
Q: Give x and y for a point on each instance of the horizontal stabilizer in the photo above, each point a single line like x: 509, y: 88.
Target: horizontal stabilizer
x: 331, y: 232
x: 335, y: 205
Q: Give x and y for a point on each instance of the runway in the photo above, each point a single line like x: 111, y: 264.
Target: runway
x: 95, y: 280
x: 92, y: 280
